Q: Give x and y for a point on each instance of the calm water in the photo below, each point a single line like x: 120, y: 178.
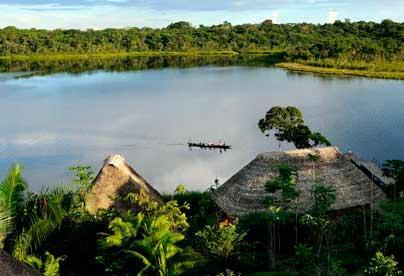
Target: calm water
x: 49, y: 123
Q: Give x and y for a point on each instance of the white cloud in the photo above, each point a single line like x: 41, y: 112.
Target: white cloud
x: 332, y: 16
x: 30, y: 139
x: 275, y: 17
x: 100, y: 14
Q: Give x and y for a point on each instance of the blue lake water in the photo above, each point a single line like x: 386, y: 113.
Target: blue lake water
x: 49, y: 123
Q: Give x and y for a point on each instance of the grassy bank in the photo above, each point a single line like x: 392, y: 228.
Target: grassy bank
x: 81, y: 56
x: 370, y: 70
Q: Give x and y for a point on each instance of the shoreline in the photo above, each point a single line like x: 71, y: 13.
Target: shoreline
x: 299, y: 67
x: 81, y: 56
x: 292, y: 66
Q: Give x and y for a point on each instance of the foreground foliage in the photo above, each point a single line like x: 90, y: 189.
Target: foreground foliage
x: 383, y: 265
x: 29, y: 218
x: 188, y: 235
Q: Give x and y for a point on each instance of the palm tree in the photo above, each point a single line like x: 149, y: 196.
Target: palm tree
x: 157, y: 247
x: 12, y: 190
x: 29, y: 217
x: 150, y: 240
x: 43, y: 213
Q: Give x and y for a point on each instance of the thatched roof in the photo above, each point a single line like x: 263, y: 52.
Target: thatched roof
x: 116, y: 178
x: 245, y: 192
x: 11, y: 267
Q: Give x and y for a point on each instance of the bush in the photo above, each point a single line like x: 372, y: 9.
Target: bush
x: 383, y: 266
x: 220, y: 241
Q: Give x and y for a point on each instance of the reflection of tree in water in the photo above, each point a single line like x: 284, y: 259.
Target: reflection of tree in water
x: 119, y: 64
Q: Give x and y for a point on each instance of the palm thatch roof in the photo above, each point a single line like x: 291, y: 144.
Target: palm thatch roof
x: 245, y: 191
x: 11, y: 267
x: 117, y: 179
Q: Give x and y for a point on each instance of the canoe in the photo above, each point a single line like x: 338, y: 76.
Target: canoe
x: 209, y: 146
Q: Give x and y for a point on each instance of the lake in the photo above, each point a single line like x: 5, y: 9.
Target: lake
x: 52, y: 121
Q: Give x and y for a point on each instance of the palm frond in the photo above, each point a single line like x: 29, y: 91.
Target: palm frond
x: 30, y: 239
x: 141, y: 257
x: 12, y: 189
x: 6, y: 226
x: 45, y: 213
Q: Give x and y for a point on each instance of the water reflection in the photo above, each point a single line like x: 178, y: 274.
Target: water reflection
x: 121, y: 64
x: 51, y: 122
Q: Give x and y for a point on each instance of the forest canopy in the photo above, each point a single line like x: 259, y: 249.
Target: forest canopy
x: 368, y: 41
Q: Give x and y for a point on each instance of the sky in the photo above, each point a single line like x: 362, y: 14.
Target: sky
x: 100, y: 14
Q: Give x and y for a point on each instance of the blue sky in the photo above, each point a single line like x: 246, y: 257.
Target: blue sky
x: 98, y: 14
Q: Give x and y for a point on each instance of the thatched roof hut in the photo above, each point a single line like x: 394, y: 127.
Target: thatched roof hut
x: 117, y: 179
x: 9, y: 266
x: 245, y: 191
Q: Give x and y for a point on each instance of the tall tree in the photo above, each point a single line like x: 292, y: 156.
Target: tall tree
x: 287, y: 124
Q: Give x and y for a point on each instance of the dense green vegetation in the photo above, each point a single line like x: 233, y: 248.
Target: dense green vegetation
x: 358, y: 46
x: 187, y: 234
x: 357, y: 41
x: 119, y: 63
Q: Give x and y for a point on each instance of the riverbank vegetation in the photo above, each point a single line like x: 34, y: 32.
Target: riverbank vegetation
x: 385, y: 70
x: 83, y: 63
x: 374, y: 48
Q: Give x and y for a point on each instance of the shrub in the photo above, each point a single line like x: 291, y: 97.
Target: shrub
x: 383, y: 266
x: 220, y: 241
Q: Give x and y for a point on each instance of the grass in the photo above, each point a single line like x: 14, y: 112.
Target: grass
x: 393, y: 70
x: 378, y: 65
x: 274, y: 274
x: 82, y: 56
x: 79, y: 56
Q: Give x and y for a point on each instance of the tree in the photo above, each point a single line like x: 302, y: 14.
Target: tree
x: 180, y: 25
x: 278, y: 210
x: 300, y: 136
x: 318, y: 139
x: 395, y: 170
x: 281, y: 121
x: 83, y: 177
x: 323, y: 198
x: 287, y: 124
x: 267, y: 22
x: 285, y: 183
